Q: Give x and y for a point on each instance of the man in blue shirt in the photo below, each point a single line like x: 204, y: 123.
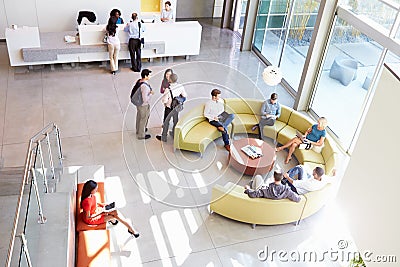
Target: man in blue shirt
x: 270, y: 111
x: 134, y: 30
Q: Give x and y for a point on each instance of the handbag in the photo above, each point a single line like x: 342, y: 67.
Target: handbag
x: 177, y: 102
x: 305, y: 145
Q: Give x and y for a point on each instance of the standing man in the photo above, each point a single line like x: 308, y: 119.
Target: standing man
x: 213, y: 111
x: 143, y: 111
x: 134, y: 30
x: 174, y: 90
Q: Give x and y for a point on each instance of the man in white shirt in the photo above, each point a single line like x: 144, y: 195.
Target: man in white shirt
x: 135, y: 32
x: 177, y: 90
x: 167, y: 14
x: 212, y: 110
x: 306, y: 181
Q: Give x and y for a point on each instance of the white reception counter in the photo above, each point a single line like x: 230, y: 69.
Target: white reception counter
x: 26, y: 46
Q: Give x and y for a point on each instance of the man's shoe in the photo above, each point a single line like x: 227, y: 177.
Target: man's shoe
x: 221, y: 129
x: 147, y: 136
x: 254, y: 127
x: 227, y: 147
x: 159, y: 137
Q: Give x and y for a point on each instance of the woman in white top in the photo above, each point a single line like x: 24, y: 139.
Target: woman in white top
x: 167, y: 14
x: 114, y: 45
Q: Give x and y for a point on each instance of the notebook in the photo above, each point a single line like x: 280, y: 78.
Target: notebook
x: 109, y: 207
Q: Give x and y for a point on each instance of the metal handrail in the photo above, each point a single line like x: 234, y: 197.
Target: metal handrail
x: 29, y: 164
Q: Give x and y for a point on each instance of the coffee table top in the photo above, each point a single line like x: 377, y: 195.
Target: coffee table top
x: 240, y: 159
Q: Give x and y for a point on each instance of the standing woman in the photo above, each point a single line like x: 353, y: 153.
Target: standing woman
x: 113, y: 42
x: 93, y: 212
x: 165, y: 82
x: 116, y: 13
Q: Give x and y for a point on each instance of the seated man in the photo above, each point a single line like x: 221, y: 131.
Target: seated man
x: 270, y: 111
x: 212, y: 111
x: 306, y: 181
x: 275, y: 190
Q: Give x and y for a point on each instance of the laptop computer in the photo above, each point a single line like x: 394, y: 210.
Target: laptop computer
x: 300, y: 135
x: 223, y: 116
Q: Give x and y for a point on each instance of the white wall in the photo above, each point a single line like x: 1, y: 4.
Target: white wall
x: 369, y: 193
x: 54, y: 16
x: 195, y: 9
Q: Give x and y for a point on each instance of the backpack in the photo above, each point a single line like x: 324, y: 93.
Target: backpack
x: 136, y: 94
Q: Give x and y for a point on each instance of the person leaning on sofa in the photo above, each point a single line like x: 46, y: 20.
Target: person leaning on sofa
x: 275, y: 190
x: 212, y: 110
x: 306, y: 181
x: 314, y: 135
x: 270, y: 111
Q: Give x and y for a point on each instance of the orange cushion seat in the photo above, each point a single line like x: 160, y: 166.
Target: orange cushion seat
x: 93, y: 249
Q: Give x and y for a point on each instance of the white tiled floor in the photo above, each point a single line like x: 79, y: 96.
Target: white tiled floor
x: 91, y: 108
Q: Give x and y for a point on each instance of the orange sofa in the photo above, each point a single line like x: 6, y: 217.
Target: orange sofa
x: 93, y: 249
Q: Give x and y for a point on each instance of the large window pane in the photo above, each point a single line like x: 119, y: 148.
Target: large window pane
x: 300, y: 31
x: 350, y: 62
x: 270, y: 34
x: 269, y: 24
x: 373, y: 9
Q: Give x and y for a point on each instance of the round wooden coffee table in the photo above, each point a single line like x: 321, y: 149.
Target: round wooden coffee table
x: 244, y: 164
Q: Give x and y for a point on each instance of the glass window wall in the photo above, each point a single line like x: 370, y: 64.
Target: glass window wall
x: 271, y: 27
x: 350, y: 63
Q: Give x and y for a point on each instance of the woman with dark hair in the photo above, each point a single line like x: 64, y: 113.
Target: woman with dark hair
x: 165, y: 82
x: 114, y: 45
x: 93, y: 212
x: 116, y: 13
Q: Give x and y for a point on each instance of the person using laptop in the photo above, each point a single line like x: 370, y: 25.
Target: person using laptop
x: 214, y: 111
x: 270, y: 111
x: 315, y: 135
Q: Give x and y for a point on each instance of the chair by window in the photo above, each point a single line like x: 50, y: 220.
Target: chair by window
x: 344, y: 70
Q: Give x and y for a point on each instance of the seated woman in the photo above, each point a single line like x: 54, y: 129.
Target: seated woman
x: 116, y: 13
x: 93, y: 212
x: 314, y: 135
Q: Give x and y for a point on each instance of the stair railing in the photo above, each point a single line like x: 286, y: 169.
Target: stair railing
x: 35, y: 151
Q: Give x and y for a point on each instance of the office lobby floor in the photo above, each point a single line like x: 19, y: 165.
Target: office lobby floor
x: 165, y: 194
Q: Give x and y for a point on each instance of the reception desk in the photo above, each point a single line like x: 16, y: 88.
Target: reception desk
x: 26, y: 46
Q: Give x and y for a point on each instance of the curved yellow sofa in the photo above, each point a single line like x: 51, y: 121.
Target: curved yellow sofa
x: 194, y: 133
x: 230, y: 201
